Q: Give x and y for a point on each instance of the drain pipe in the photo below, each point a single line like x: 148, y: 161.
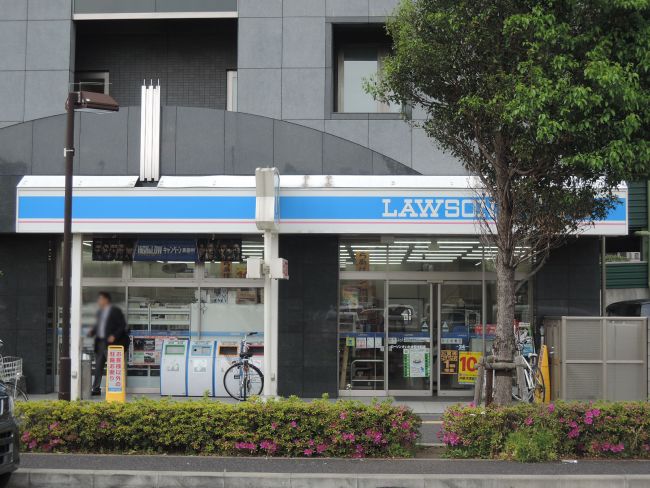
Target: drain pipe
x: 603, y: 277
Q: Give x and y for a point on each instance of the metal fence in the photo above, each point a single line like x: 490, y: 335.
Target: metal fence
x: 598, y: 358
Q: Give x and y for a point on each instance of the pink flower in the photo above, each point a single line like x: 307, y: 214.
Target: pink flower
x: 246, y: 446
x: 54, y: 425
x: 310, y: 442
x: 617, y: 448
x: 25, y: 437
x: 573, y: 433
x: 269, y: 446
x: 343, y: 415
x: 529, y: 421
x: 103, y: 424
x: 551, y: 407
x: 308, y: 452
x: 32, y: 444
x: 293, y: 424
x: 589, y: 420
x: 274, y: 425
x: 451, y: 438
x: 406, y: 425
x: 349, y: 437
x: 321, y: 448
x: 471, y: 405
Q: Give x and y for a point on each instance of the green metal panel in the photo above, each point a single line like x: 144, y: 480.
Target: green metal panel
x: 637, y: 205
x: 627, y: 275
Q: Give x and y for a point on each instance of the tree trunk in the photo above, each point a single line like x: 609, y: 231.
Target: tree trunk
x: 504, y: 342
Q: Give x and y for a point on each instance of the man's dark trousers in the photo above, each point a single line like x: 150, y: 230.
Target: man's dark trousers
x: 101, y: 350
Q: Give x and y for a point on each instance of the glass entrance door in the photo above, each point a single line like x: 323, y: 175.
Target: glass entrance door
x: 412, y: 323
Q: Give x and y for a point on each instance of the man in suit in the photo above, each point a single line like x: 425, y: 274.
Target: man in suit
x: 110, y: 330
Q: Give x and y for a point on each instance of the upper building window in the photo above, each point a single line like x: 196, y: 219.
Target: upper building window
x: 359, y: 52
x: 92, y: 81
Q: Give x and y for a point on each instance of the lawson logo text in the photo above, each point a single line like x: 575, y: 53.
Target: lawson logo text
x: 442, y: 208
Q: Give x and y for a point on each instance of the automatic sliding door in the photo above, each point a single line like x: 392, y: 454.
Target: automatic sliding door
x: 460, y: 335
x: 409, y: 338
x: 361, y: 336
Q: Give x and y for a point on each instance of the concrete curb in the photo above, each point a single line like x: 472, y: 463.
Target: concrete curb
x: 46, y: 478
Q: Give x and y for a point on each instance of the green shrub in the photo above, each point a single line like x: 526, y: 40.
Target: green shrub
x: 604, y: 430
x: 288, y: 427
x: 531, y: 445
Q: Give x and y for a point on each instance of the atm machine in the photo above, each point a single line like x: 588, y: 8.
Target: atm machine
x: 227, y: 352
x: 257, y: 358
x: 200, y: 373
x: 173, y: 367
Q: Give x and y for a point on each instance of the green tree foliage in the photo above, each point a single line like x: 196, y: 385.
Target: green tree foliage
x: 546, y: 103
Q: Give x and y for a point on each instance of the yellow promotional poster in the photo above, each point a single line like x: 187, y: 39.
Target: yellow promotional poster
x: 468, y: 367
x: 546, y: 375
x: 115, y: 375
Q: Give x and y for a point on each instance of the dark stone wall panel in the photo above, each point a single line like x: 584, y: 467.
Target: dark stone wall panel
x: 307, y: 343
x: 25, y: 292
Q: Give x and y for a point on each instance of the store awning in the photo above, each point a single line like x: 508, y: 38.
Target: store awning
x: 425, y: 205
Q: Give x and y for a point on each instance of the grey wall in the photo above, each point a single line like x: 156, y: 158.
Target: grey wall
x: 195, y: 141
x: 25, y: 294
x: 36, y: 49
x: 189, y: 57
x: 286, y: 72
x: 307, y: 339
x: 569, y: 282
x: 119, y: 6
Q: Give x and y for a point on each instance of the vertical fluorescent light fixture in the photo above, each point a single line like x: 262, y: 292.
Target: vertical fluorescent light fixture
x: 150, y: 132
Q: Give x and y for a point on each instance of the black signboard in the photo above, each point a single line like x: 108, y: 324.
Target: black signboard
x: 222, y: 250
x: 112, y: 249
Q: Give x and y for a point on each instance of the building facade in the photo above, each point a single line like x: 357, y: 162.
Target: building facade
x: 242, y: 85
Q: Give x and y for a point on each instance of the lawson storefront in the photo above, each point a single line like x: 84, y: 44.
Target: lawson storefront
x: 390, y: 290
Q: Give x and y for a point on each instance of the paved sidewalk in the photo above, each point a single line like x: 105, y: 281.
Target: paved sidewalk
x: 152, y: 479
x: 208, y: 464
x: 110, y: 471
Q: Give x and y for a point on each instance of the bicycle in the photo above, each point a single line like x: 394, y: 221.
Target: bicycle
x: 533, y: 388
x: 11, y: 376
x: 243, y: 379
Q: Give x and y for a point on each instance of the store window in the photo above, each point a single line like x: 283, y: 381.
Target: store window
x: 230, y: 312
x: 234, y: 266
x: 359, y: 53
x: 89, y: 312
x: 98, y: 269
x: 163, y: 270
x: 625, y: 249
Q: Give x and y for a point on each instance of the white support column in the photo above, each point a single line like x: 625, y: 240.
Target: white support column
x: 275, y: 285
x: 270, y: 317
x: 75, y: 318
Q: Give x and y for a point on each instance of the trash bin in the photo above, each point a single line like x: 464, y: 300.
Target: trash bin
x: 86, y: 376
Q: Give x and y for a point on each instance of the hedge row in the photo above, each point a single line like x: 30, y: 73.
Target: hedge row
x: 288, y: 427
x: 541, y: 432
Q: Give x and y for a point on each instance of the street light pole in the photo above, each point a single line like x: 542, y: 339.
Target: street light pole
x: 80, y: 101
x: 68, y: 152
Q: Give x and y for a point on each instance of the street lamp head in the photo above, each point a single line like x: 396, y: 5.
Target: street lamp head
x: 87, y: 101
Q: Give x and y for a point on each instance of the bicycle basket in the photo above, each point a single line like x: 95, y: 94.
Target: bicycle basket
x: 11, y: 368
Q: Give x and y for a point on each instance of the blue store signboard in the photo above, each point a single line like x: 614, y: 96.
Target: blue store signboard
x: 165, y: 250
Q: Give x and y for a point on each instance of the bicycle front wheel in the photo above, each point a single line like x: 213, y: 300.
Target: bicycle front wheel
x: 539, y: 388
x: 243, y: 380
x: 16, y: 392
